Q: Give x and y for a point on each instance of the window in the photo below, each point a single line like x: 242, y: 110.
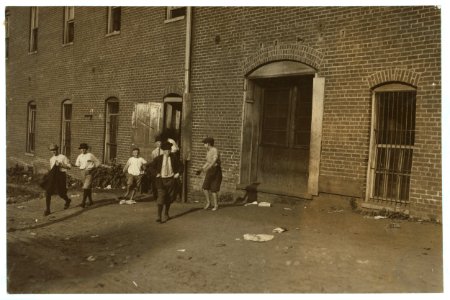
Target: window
x: 393, y: 135
x: 31, y: 128
x: 34, y: 13
x: 114, y: 15
x: 176, y: 12
x: 6, y: 34
x: 111, y: 132
x: 69, y: 24
x: 66, y: 132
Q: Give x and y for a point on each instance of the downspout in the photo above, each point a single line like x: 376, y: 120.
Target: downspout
x: 186, y: 129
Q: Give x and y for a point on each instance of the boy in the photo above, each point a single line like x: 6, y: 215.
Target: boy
x: 166, y: 169
x: 134, y: 169
x: 213, y: 176
x: 87, y: 162
x: 55, y: 182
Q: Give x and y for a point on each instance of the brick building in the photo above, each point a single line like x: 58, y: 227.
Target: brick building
x: 301, y: 100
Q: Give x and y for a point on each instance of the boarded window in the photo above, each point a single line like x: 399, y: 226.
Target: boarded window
x: 34, y: 13
x: 394, y: 135
x: 31, y: 128
x: 112, y: 129
x: 66, y: 128
x: 146, y: 124
x: 69, y: 24
x: 114, y: 18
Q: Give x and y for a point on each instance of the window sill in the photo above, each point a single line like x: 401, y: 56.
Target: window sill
x: 29, y: 154
x: 67, y: 44
x: 34, y: 52
x: 112, y: 33
x: 173, y: 19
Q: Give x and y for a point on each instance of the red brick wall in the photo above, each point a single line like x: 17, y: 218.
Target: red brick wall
x: 356, y: 43
x: 143, y: 63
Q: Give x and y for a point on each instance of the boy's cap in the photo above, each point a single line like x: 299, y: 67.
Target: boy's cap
x: 208, y: 140
x: 166, y: 145
x: 83, y: 146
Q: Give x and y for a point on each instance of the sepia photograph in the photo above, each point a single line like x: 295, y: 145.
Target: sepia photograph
x: 223, y: 149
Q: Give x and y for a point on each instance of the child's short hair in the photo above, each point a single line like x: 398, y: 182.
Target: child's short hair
x: 136, y: 148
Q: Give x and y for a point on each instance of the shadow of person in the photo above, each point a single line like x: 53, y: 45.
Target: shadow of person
x: 251, y: 194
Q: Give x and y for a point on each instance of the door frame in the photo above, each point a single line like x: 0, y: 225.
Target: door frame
x: 251, y: 118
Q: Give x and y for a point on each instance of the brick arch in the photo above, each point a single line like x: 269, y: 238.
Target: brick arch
x: 393, y: 75
x: 172, y: 89
x: 300, y: 53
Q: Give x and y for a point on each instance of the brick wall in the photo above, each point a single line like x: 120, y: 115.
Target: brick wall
x: 356, y: 43
x: 347, y: 45
x: 143, y: 63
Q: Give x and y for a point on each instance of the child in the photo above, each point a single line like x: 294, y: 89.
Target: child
x: 213, y: 176
x: 134, y: 169
x: 55, y: 182
x: 166, y: 169
x: 87, y: 162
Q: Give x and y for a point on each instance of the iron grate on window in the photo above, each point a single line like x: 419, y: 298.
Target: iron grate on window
x: 394, y: 145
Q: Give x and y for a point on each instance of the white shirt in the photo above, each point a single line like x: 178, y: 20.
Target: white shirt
x: 62, y: 159
x: 166, y: 168
x: 87, y: 161
x: 135, y: 165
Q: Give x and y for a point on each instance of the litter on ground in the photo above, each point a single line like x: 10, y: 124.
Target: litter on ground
x: 91, y: 258
x: 279, y: 230
x: 379, y: 217
x: 258, y: 237
x: 127, y: 202
x: 287, y: 208
x: 264, y: 204
x: 108, y: 187
x: 181, y: 250
x: 251, y: 203
x: 362, y: 261
x: 134, y: 282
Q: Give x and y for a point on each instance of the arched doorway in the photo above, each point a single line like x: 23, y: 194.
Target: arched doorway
x: 279, y: 150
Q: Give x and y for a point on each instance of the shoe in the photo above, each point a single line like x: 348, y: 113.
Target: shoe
x: 67, y: 204
x: 46, y: 212
x: 168, y: 218
x: 207, y: 206
x: 90, y: 203
x: 83, y: 205
x: 122, y: 202
x: 215, y: 208
x: 158, y: 221
x: 130, y: 202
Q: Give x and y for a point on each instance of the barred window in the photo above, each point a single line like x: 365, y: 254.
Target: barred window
x: 66, y: 128
x: 112, y: 129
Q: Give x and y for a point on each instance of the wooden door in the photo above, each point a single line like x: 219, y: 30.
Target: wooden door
x: 285, y: 130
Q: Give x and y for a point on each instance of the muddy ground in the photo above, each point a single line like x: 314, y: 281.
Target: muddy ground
x: 112, y: 248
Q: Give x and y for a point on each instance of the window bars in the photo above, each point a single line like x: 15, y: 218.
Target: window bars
x: 394, y: 133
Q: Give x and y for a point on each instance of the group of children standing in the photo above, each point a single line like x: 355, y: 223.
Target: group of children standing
x: 164, y: 168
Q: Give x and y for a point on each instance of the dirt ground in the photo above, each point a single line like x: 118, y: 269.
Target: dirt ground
x: 112, y: 248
